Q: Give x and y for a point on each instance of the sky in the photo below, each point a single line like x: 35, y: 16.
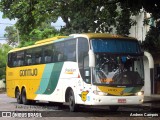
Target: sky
x: 7, y: 22
x: 3, y: 24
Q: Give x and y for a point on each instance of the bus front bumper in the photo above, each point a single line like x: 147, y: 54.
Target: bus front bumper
x: 115, y: 100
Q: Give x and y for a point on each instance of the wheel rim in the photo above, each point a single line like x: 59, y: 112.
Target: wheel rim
x: 23, y: 97
x: 18, y: 96
x: 71, y: 102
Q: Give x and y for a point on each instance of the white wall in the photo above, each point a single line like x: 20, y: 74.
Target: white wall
x: 147, y: 82
x: 139, y: 31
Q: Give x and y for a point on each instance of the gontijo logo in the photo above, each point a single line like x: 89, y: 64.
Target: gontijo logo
x: 69, y: 71
x: 28, y: 72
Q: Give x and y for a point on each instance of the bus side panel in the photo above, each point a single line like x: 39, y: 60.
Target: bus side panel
x: 10, y: 81
x: 50, y: 88
x: 27, y: 77
x: 10, y: 88
x: 65, y: 75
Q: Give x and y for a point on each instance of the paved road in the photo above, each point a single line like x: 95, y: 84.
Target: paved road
x: 48, y: 111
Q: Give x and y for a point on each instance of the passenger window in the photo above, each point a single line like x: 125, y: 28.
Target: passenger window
x: 38, y: 55
x: 12, y: 60
x: 20, y: 58
x: 48, y: 53
x: 29, y: 57
x: 70, y: 50
x: 60, y: 51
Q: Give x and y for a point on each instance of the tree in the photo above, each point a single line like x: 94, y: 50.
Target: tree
x: 4, y: 48
x: 39, y: 33
x: 43, y: 31
x: 152, y: 40
x: 79, y: 15
x: 11, y: 35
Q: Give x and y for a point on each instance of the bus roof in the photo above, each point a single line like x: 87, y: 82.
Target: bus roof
x: 100, y: 35
x: 41, y: 42
x: 61, y: 38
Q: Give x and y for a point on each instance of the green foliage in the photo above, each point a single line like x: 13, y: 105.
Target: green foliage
x: 11, y: 35
x: 26, y: 43
x: 124, y: 21
x: 152, y: 40
x: 88, y: 16
x: 79, y: 15
x: 4, y: 48
x: 41, y: 32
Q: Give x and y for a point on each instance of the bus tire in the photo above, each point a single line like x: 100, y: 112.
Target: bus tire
x: 71, y: 99
x: 24, y: 97
x: 18, y: 96
x: 113, y: 108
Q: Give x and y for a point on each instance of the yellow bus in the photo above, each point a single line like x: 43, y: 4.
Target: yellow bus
x: 80, y: 69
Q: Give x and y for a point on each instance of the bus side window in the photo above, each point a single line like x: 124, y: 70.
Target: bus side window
x: 48, y: 54
x: 37, y: 52
x: 11, y: 59
x: 59, y: 48
x: 55, y: 54
x: 20, y: 58
x: 70, y: 50
x: 14, y: 59
x: 28, y: 57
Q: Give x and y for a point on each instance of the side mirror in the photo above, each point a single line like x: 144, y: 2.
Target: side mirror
x: 91, y: 59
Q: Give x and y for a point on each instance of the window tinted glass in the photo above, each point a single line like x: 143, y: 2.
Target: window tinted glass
x: 59, y: 48
x: 12, y: 59
x: 48, y: 54
x: 57, y: 52
x: 83, y: 58
x: 65, y: 51
x: 20, y: 58
x: 37, y: 55
x: 70, y: 50
x: 29, y: 57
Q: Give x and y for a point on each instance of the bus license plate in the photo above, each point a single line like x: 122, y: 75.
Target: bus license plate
x: 122, y: 101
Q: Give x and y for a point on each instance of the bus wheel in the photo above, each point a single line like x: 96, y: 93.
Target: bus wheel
x: 18, y: 96
x: 113, y: 108
x: 71, y: 100
x: 24, y: 98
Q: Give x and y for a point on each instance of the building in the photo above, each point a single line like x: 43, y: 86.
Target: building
x: 152, y: 75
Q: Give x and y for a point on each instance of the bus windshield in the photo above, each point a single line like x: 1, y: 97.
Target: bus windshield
x: 122, y: 68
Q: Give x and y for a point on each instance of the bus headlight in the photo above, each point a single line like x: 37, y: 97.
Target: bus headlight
x: 140, y: 93
x: 100, y: 93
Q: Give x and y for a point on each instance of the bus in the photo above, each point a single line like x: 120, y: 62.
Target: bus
x: 95, y: 69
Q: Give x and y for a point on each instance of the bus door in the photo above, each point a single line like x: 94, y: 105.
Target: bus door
x: 83, y: 61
